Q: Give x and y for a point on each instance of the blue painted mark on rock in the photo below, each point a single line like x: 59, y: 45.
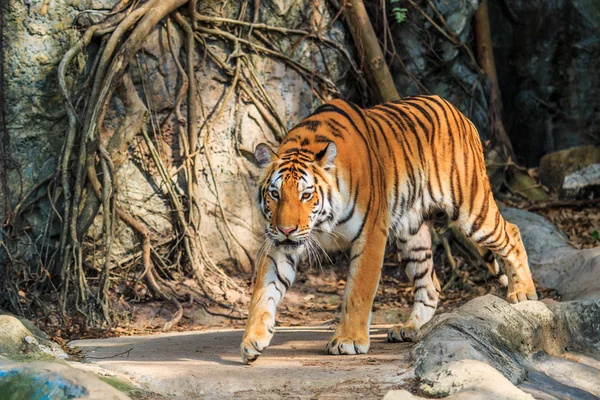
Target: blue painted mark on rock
x: 18, y: 384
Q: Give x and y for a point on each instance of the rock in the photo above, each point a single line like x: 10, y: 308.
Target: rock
x: 32, y: 366
x: 456, y: 351
x: 584, y: 183
x: 400, y: 395
x: 19, y: 343
x: 571, y: 171
x: 486, y: 329
x: 553, y: 262
x: 470, y: 379
x: 12, y: 335
x: 52, y: 381
x: 578, y: 323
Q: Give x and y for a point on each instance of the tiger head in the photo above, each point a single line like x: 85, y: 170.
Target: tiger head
x: 297, y: 194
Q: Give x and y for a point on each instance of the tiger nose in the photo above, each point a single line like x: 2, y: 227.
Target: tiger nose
x: 286, y: 230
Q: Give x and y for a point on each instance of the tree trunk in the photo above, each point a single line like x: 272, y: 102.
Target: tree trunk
x: 377, y: 72
x: 518, y: 180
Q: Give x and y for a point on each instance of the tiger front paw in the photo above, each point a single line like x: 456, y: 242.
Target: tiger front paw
x: 346, y: 345
x: 252, y: 347
x: 403, y: 333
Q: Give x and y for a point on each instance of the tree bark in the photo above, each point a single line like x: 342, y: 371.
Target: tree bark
x: 377, y: 72
x: 485, y: 58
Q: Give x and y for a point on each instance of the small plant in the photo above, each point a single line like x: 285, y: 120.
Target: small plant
x: 399, y: 13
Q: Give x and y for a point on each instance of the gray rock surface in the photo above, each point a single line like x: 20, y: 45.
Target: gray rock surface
x: 553, y: 262
x: 584, y: 183
x: 470, y: 379
x: 526, y: 344
x: 571, y: 172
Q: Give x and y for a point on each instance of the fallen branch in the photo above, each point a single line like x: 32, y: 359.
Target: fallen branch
x: 113, y: 356
x: 563, y: 203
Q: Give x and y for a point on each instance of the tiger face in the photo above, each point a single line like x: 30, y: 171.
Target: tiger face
x: 296, y: 194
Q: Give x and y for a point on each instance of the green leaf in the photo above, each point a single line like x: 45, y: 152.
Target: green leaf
x: 399, y: 13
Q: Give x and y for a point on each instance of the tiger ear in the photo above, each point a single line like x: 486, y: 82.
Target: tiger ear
x: 326, y: 156
x: 264, y: 155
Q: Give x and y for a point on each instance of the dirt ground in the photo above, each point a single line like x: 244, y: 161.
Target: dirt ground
x: 207, y: 365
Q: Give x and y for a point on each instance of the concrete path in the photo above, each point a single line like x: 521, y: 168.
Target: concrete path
x: 207, y: 365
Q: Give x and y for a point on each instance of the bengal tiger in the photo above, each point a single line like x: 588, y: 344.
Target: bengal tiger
x: 347, y: 177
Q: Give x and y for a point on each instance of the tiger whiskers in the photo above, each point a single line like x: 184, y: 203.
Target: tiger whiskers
x: 320, y: 246
x: 311, y: 249
x: 333, y: 235
x: 316, y: 246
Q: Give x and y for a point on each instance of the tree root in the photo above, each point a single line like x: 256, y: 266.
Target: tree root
x: 86, y: 178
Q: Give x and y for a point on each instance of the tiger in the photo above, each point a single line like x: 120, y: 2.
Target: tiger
x: 352, y: 178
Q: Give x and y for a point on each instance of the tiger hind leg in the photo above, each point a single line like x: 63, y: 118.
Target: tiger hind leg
x: 417, y: 258
x: 488, y: 259
x: 503, y: 239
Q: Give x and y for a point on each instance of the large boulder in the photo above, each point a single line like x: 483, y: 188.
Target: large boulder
x: 573, y: 172
x: 515, y: 345
x: 33, y: 366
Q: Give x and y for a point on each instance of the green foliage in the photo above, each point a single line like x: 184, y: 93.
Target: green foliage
x: 398, y: 12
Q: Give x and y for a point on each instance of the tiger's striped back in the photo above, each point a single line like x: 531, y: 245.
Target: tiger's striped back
x: 419, y: 155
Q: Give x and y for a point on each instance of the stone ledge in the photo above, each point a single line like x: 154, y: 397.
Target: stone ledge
x: 510, y: 344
